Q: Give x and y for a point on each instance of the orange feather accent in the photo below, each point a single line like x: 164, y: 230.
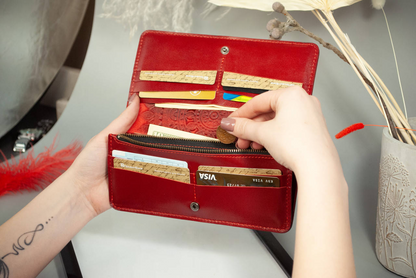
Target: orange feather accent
x: 349, y: 129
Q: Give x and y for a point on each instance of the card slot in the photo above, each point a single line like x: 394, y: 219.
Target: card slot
x: 134, y: 190
x: 262, y: 208
x: 285, y: 179
x: 148, y: 86
x: 196, y: 159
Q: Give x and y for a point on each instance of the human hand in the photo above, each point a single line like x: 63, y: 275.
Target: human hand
x: 289, y: 123
x: 89, y: 170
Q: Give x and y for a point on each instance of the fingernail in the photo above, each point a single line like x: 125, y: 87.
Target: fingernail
x: 132, y: 98
x: 236, y: 145
x: 228, y: 124
x: 251, y: 145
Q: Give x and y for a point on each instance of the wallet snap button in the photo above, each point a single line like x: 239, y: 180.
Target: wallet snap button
x: 225, y: 50
x: 194, y: 206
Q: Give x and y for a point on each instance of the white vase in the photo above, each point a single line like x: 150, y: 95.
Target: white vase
x: 396, y: 209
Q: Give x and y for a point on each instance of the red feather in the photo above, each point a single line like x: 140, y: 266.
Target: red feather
x: 349, y: 129
x: 35, y: 173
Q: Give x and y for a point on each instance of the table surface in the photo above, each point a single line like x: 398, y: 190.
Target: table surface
x: 124, y: 244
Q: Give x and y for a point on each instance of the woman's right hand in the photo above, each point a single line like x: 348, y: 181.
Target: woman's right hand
x: 289, y: 123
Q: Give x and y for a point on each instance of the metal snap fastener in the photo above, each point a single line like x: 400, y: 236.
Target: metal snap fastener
x: 194, y: 206
x: 225, y: 50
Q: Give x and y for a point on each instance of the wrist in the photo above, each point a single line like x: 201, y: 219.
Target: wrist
x: 77, y: 198
x: 325, y: 166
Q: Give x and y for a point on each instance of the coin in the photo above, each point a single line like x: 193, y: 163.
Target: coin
x: 225, y: 137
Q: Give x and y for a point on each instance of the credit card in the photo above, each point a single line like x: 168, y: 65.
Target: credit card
x: 231, y: 180
x: 237, y: 98
x: 163, y: 171
x: 203, y: 95
x: 149, y: 159
x: 180, y: 76
x: 241, y: 171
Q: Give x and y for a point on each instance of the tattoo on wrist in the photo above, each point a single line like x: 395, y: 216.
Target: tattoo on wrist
x: 23, y: 241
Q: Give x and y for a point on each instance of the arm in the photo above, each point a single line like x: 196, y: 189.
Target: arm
x: 35, y: 235
x: 290, y: 125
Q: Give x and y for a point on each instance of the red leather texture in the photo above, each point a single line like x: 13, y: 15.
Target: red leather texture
x: 203, y: 122
x: 260, y: 208
x: 257, y: 208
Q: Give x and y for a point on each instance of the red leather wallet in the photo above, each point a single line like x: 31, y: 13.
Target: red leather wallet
x: 259, y: 208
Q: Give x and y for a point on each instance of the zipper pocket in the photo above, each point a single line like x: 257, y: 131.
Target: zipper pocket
x: 186, y: 145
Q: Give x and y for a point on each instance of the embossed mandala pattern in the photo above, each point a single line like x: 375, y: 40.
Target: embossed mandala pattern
x: 203, y: 122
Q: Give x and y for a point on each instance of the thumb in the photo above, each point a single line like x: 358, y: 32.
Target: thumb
x: 242, y: 128
x: 123, y: 122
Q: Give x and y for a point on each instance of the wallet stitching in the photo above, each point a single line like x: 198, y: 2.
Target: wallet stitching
x: 288, y: 203
x: 313, y: 71
x: 220, y: 74
x: 228, y: 38
x: 251, y: 226
x: 136, y: 65
x: 109, y: 173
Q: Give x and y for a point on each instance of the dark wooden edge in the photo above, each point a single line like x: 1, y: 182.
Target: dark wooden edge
x: 277, y: 251
x: 70, y: 261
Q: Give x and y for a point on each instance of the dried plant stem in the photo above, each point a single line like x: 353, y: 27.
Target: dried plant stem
x: 351, y: 53
x: 400, y: 115
x: 375, y: 87
x: 392, y: 115
x: 298, y: 27
x: 323, y: 21
x: 395, y: 60
x: 385, y: 89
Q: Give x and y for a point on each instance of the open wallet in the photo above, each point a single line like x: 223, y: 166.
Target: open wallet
x: 187, y: 83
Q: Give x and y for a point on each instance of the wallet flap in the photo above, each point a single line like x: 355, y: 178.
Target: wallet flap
x: 165, y: 53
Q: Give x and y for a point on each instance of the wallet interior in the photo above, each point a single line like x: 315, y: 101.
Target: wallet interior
x: 260, y: 208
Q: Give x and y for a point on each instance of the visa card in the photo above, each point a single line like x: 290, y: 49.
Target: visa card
x: 231, y: 180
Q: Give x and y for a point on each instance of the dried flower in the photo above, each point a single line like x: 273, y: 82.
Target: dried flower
x: 278, y: 7
x: 273, y: 23
x: 276, y: 33
x: 378, y: 4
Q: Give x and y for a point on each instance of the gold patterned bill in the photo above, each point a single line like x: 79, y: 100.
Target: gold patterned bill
x: 180, y: 76
x: 243, y: 82
x: 161, y: 131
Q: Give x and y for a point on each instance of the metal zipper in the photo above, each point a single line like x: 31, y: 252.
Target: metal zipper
x: 134, y: 139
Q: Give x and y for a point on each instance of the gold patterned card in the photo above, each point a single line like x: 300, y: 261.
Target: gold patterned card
x: 241, y: 171
x: 231, y: 79
x: 157, y: 170
x: 180, y: 76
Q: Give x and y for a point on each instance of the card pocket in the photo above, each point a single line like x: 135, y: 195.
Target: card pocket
x: 261, y: 208
x: 254, y: 208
